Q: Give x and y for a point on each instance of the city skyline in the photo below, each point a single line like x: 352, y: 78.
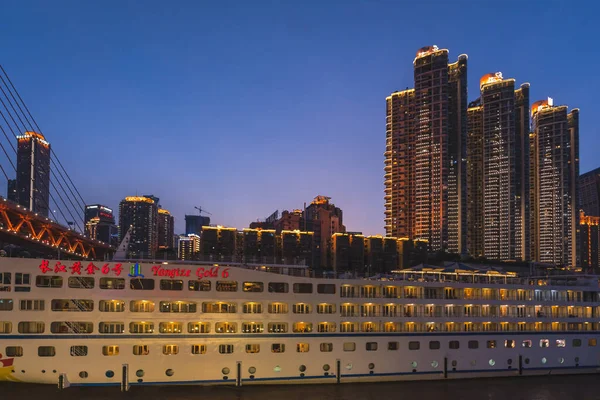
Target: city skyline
x: 128, y: 106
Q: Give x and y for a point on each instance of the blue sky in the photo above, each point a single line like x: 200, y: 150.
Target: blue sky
x: 246, y: 107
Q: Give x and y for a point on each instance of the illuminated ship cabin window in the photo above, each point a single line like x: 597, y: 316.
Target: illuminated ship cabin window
x: 277, y: 348
x: 349, y: 310
x: 252, y: 327
x: 371, y: 346
x: 592, y: 342
x: 219, y: 307
x: 369, y: 327
x: 81, y: 282
x: 254, y: 287
x: 111, y: 327
x: 226, y: 348
x: 391, y: 327
x: 5, y: 327
x: 112, y: 283
x: 326, y: 347
x: 141, y: 306
x: 348, y: 291
x: 252, y: 308
x: 14, y: 351
x: 171, y: 284
x: 141, y: 284
x: 369, y: 291
x: 170, y: 327
x: 32, y: 305
x: 6, y: 305
x: 278, y: 287
x: 227, y: 286
x: 44, y: 281
x: 141, y: 350
x: 301, y: 308
x: 325, y: 308
x: 198, y: 349
x: 302, y: 327
x: 111, y: 306
x: 68, y: 327
x: 391, y: 292
x: 177, y: 307
x: 544, y: 343
x: 252, y: 348
x: 75, y: 305
x: 491, y: 344
x: 78, y: 351
x: 226, y: 327
x: 141, y: 327
x: 326, y: 327
x: 31, y: 327
x: 349, y: 327
x: 199, y: 286
x: 278, y: 308
x: 561, y: 343
x: 277, y: 327
x: 349, y: 346
x: 110, y: 350
x: 46, y: 351
x: 326, y: 288
x: 302, y: 347
x: 526, y: 344
x: 198, y: 327
x: 170, y: 349
x: 303, y: 288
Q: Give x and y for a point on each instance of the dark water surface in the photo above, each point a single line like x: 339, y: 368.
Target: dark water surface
x: 580, y: 387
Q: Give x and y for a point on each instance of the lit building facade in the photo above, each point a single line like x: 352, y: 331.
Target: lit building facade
x: 556, y: 151
x: 589, y: 192
x: 298, y: 247
x: 348, y: 252
x: 324, y: 219
x: 589, y: 240
x: 11, y: 190
x: 141, y: 215
x: 257, y: 246
x: 475, y: 179
x: 166, y: 229
x: 100, y: 223
x: 188, y: 247
x: 218, y: 243
x: 33, y: 172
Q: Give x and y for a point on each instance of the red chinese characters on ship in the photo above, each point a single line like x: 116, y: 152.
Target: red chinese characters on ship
x: 77, y: 268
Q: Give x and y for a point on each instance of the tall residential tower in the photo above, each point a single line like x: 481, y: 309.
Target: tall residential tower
x: 33, y: 172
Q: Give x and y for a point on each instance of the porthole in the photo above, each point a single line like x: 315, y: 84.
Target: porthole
x: 454, y: 363
x: 169, y: 372
x: 527, y: 361
x: 371, y: 366
x: 82, y: 374
x: 492, y: 362
x: 561, y: 360
x: 326, y: 367
x: 509, y: 361
x: 110, y: 374
x: 414, y: 364
x: 53, y: 371
x: 139, y: 373
x: 252, y: 370
x: 225, y: 371
x: 43, y: 371
x: 544, y: 360
x: 302, y: 368
x: 349, y: 366
x: 277, y: 368
x: 434, y: 364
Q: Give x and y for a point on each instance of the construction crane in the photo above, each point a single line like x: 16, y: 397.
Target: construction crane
x: 200, y: 210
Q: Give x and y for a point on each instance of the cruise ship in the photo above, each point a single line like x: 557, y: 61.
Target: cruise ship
x: 74, y: 323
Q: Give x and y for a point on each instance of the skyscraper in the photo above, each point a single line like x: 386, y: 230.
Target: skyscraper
x: 33, y: 172
x: 166, y: 227
x: 589, y: 192
x: 194, y: 224
x: 324, y: 219
x: 100, y: 223
x: 475, y: 179
x: 425, y: 157
x: 141, y: 215
x: 556, y: 142
x: 11, y: 190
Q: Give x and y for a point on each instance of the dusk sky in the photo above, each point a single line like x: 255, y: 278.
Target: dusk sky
x: 245, y: 107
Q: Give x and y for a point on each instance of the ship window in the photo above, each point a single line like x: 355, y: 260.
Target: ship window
x: 414, y: 345
x: 141, y: 284
x: 252, y: 348
x: 31, y: 327
x: 141, y: 327
x: 81, y: 282
x: 303, y: 288
x: 111, y: 306
x: 170, y: 349
x: 252, y: 327
x: 141, y: 350
x: 278, y: 327
x: 592, y: 342
x: 491, y: 344
x: 302, y: 347
x: 326, y: 347
x: 227, y: 286
x: 171, y: 284
x: 32, y: 305
x: 198, y: 327
x: 76, y: 305
x: 111, y: 327
x: 49, y: 281
x: 371, y: 346
x: 46, y: 351
x: 5, y: 279
x: 199, y: 286
x: 177, y: 307
x: 278, y: 308
x: 278, y: 348
x: 253, y: 287
x: 68, y: 327
x: 141, y: 306
x: 325, y: 308
x: 22, y: 279
x: 527, y: 343
x: 326, y: 327
x: 434, y: 345
x: 170, y: 327
x: 14, y: 351
x: 561, y: 343
x: 544, y: 343
x: 112, y: 283
x: 198, y: 349
x: 6, y: 305
x: 326, y: 288
x: 79, y: 351
x: 226, y: 327
x: 454, y: 344
x: 349, y: 346
x: 225, y: 348
x: 252, y: 308
x: 301, y: 308
x: 278, y: 287
x: 393, y: 345
x: 473, y: 344
x: 302, y: 327
x: 5, y: 327
x: 509, y: 344
x: 219, y: 308
x: 576, y: 343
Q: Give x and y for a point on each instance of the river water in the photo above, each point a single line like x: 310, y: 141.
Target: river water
x: 579, y: 387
